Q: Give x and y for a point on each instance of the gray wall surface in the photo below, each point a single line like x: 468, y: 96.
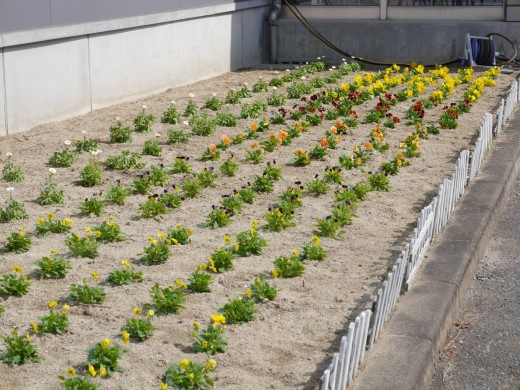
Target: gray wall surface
x: 54, y: 73
x: 16, y: 15
x: 389, y: 41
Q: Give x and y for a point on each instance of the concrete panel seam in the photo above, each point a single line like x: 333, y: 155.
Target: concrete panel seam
x: 89, y: 70
x: 6, y: 122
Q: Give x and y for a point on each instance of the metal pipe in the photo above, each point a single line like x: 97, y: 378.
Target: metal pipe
x: 272, y: 19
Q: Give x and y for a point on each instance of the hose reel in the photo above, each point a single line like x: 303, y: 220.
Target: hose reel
x: 479, y: 51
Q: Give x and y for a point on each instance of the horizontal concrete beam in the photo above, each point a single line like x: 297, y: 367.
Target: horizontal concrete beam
x: 96, y: 27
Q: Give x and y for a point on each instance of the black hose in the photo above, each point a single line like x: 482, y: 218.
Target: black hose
x: 316, y: 33
x: 512, y: 59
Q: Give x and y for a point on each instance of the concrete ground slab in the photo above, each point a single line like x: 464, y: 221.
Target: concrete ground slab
x: 426, y: 312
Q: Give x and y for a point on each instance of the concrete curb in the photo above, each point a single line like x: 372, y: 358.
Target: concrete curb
x: 405, y: 355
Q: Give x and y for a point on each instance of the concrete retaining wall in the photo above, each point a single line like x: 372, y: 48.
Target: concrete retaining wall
x: 53, y: 73
x: 424, y: 41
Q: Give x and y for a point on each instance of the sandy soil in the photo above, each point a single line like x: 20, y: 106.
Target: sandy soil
x: 291, y: 340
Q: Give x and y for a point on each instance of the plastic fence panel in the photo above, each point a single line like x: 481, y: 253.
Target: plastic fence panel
x: 500, y: 118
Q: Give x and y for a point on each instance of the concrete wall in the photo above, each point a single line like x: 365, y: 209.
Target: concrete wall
x: 58, y: 72
x: 16, y: 15
x: 389, y: 41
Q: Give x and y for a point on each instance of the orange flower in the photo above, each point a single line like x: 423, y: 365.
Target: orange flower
x: 254, y: 126
x: 254, y: 145
x: 368, y: 145
x: 338, y: 138
x: 339, y: 124
x: 240, y: 135
x: 283, y: 134
x: 324, y: 143
x: 225, y: 139
x: 212, y: 147
x: 272, y: 137
x: 333, y: 129
x: 300, y: 129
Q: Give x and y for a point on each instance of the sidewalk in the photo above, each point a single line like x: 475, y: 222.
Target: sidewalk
x: 483, y: 349
x: 405, y: 354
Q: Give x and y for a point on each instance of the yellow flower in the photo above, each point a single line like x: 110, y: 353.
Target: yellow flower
x: 248, y: 293
x: 137, y: 310
x: 41, y: 221
x: 316, y: 240
x: 150, y: 313
x: 204, y: 344
x: 163, y: 386
x: 35, y: 327
x: 218, y: 319
x: 184, y: 363
x: 196, y: 325
x: 105, y: 343
x: 54, y: 251
x: 227, y: 240
x: 161, y: 236
x: 294, y: 252
x: 102, y: 371
x: 125, y: 263
x: 203, y: 267
x: 152, y: 240
x: 50, y: 216
x: 17, y: 269
x: 92, y: 370
x: 111, y: 218
x: 88, y: 230
x: 237, y: 247
x: 28, y: 337
x: 179, y: 283
x: 211, y: 363
x: 125, y: 336
x: 71, y: 371
x: 191, y: 376
x: 52, y: 304
x: 190, y: 232
x: 275, y: 273
x: 65, y: 308
x: 94, y: 275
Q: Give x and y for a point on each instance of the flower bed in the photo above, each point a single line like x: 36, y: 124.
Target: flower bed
x: 137, y: 213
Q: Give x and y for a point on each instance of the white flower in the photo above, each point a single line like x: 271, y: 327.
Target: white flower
x: 333, y: 67
x: 144, y: 107
x: 303, y: 77
x: 66, y: 142
x: 276, y: 72
x: 186, y: 123
x: 260, y: 77
x: 214, y: 94
x: 9, y: 189
x: 343, y: 59
x: 99, y: 151
x: 157, y: 135
x: 306, y: 62
x: 330, y: 69
x: 287, y: 70
x: 319, y: 58
x: 118, y: 119
x: 52, y: 171
x: 246, y: 83
x: 94, y: 152
x: 173, y: 102
x: 84, y: 132
x: 192, y: 95
x: 274, y: 88
x: 9, y: 154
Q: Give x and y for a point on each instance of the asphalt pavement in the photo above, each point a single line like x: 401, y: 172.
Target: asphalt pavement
x: 483, y: 347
